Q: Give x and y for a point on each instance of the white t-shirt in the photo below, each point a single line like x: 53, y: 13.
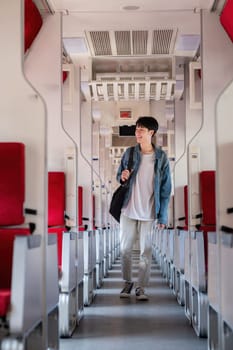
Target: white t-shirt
x: 141, y: 203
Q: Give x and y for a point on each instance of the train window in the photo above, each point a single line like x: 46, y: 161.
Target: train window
x: 127, y: 130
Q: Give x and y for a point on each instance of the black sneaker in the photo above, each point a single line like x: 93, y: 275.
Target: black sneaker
x: 125, y: 293
x: 140, y: 294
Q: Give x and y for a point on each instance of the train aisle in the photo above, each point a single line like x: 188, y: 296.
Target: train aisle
x: 126, y: 324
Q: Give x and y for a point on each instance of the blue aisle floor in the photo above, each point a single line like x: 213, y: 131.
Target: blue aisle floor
x: 126, y: 324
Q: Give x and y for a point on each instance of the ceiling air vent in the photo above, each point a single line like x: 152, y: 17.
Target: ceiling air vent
x: 161, y: 43
x: 101, y: 43
x: 131, y: 42
x: 139, y: 39
x: 122, y: 39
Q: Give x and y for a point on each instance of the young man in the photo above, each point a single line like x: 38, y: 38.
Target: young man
x: 146, y: 202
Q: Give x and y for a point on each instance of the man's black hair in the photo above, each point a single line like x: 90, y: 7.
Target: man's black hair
x: 148, y: 122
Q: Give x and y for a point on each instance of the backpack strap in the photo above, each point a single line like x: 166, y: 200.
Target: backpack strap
x: 130, y: 161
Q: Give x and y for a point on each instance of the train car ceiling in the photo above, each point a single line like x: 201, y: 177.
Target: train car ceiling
x: 132, y: 56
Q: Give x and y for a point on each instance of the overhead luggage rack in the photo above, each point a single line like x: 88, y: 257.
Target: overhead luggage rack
x: 132, y: 90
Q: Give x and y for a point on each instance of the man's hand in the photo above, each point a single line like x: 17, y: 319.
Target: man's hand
x: 125, y: 175
x: 161, y: 226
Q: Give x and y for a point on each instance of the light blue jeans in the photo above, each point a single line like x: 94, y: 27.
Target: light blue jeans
x: 129, y: 230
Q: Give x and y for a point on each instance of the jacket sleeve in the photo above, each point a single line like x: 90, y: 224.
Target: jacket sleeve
x: 165, y: 191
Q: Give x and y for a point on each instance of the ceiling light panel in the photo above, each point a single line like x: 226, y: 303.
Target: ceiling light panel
x: 188, y: 43
x: 75, y: 45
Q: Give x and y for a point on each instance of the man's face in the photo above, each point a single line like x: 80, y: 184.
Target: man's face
x: 143, y: 135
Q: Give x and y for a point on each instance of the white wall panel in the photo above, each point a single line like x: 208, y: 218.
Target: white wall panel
x: 85, y: 160
x: 43, y: 68
x: 22, y: 111
x: 225, y: 196
x: 216, y: 73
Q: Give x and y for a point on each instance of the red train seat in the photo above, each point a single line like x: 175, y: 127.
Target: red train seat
x: 207, y: 189
x: 5, y: 297
x: 93, y: 207
x: 208, y: 207
x: 56, y: 198
x: 64, y: 76
x: 32, y: 23
x: 7, y: 237
x: 66, y: 252
x: 56, y: 208
x: 81, y: 226
x: 12, y: 196
x: 12, y: 187
x: 185, y: 218
x: 226, y: 18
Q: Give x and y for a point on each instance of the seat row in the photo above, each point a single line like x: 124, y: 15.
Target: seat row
x: 187, y: 256
x: 77, y: 260
x: 22, y: 268
x: 84, y: 256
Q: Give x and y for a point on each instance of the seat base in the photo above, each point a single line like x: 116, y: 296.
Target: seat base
x: 199, y: 312
x: 67, y: 313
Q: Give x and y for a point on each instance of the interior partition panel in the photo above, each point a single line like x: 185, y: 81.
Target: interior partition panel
x: 224, y: 125
x: 23, y: 116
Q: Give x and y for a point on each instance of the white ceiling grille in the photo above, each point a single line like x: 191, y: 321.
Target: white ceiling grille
x: 139, y: 39
x: 101, y: 43
x: 134, y: 90
x: 161, y: 42
x: 123, y: 46
x: 135, y: 42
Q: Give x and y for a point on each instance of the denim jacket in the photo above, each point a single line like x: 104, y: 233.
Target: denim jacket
x: 162, y: 180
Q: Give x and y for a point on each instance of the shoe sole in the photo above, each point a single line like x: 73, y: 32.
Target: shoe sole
x: 142, y: 298
x: 124, y: 295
